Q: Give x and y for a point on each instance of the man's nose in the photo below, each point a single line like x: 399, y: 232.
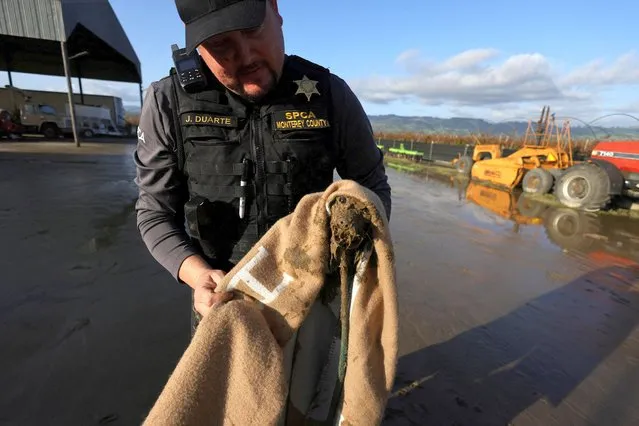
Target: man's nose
x: 243, y: 51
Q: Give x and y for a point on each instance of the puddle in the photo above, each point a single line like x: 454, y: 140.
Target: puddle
x: 605, y: 240
x: 108, y: 227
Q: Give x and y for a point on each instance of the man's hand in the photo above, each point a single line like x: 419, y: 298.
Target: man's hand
x: 204, y: 296
x: 203, y: 279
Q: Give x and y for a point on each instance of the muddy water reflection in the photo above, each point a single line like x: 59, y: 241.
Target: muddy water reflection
x: 513, y: 311
x: 602, y: 239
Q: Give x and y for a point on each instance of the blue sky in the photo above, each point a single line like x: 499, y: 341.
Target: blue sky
x: 491, y: 59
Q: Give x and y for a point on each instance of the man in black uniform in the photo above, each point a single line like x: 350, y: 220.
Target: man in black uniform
x: 235, y: 157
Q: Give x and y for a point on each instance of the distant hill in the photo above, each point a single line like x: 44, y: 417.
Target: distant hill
x: 464, y: 126
x: 132, y: 109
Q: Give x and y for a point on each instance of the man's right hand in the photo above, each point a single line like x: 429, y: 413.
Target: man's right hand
x: 204, y: 296
x: 203, y: 279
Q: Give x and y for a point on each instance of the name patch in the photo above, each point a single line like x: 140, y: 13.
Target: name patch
x: 289, y: 120
x: 198, y: 119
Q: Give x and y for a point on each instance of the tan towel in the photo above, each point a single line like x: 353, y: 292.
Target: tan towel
x: 233, y: 371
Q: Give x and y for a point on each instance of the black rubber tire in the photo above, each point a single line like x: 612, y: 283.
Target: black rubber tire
x: 537, y: 181
x: 584, y: 187
x: 556, y: 173
x: 464, y: 165
x: 50, y: 131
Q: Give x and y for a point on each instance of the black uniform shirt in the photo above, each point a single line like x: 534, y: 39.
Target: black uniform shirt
x: 162, y: 191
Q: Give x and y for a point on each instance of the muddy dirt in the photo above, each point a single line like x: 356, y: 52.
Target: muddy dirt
x: 510, y: 311
x: 350, y: 225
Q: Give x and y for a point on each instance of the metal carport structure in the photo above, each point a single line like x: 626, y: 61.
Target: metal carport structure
x: 71, y: 38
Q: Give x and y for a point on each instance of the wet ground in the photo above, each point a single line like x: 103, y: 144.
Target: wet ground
x: 511, y: 311
x: 90, y: 326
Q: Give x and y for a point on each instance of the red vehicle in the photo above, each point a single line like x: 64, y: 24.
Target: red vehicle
x: 612, y: 172
x: 7, y: 126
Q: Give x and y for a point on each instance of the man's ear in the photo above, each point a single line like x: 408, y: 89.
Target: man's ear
x: 273, y: 4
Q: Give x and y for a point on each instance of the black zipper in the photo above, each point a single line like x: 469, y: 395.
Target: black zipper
x: 260, y: 174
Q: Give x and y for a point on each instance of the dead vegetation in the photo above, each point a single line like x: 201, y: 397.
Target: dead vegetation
x: 507, y: 141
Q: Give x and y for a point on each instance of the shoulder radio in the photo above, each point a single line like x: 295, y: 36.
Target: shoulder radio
x: 190, y: 69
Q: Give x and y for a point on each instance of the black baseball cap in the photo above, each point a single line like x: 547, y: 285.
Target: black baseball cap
x: 206, y: 18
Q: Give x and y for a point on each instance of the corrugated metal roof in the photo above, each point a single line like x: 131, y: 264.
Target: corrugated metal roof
x: 29, y: 30
x: 31, y: 18
x: 99, y: 18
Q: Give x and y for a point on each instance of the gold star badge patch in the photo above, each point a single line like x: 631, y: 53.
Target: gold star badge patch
x: 307, y: 87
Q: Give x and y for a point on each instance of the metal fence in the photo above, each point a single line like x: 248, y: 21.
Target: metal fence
x: 444, y: 154
x: 432, y: 151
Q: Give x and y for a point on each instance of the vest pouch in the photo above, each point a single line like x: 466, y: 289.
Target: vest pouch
x: 215, y: 224
x: 303, y: 136
x: 300, y: 136
x: 210, y: 135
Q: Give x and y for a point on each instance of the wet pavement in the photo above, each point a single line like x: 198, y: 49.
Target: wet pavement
x: 90, y: 326
x: 512, y: 312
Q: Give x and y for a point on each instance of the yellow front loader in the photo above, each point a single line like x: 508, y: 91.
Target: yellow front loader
x: 545, y: 152
x: 481, y: 152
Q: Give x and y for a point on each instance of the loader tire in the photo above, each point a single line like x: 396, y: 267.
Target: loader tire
x: 530, y: 208
x: 464, y: 165
x: 538, y: 181
x: 572, y: 230
x: 584, y: 187
x: 556, y: 173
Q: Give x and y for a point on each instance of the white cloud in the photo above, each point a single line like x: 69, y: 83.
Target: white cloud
x: 624, y: 70
x: 470, y: 58
x: 464, y: 79
x: 479, y: 82
x: 408, y: 57
x: 412, y: 61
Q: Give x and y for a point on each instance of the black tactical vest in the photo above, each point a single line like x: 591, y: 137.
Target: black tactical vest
x: 283, y: 147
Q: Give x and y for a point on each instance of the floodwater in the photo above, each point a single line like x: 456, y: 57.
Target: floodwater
x: 511, y: 312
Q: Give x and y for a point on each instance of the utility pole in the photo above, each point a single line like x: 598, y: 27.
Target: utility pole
x: 67, y: 73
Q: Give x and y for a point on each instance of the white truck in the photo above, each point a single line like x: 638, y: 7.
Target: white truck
x: 48, y: 113
x: 91, y: 120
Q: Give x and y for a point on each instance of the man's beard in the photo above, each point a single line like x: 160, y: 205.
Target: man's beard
x: 269, y: 86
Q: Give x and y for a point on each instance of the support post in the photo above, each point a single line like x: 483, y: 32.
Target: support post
x: 141, y: 96
x: 8, y: 60
x: 77, y: 63
x: 65, y: 61
x: 81, y: 92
